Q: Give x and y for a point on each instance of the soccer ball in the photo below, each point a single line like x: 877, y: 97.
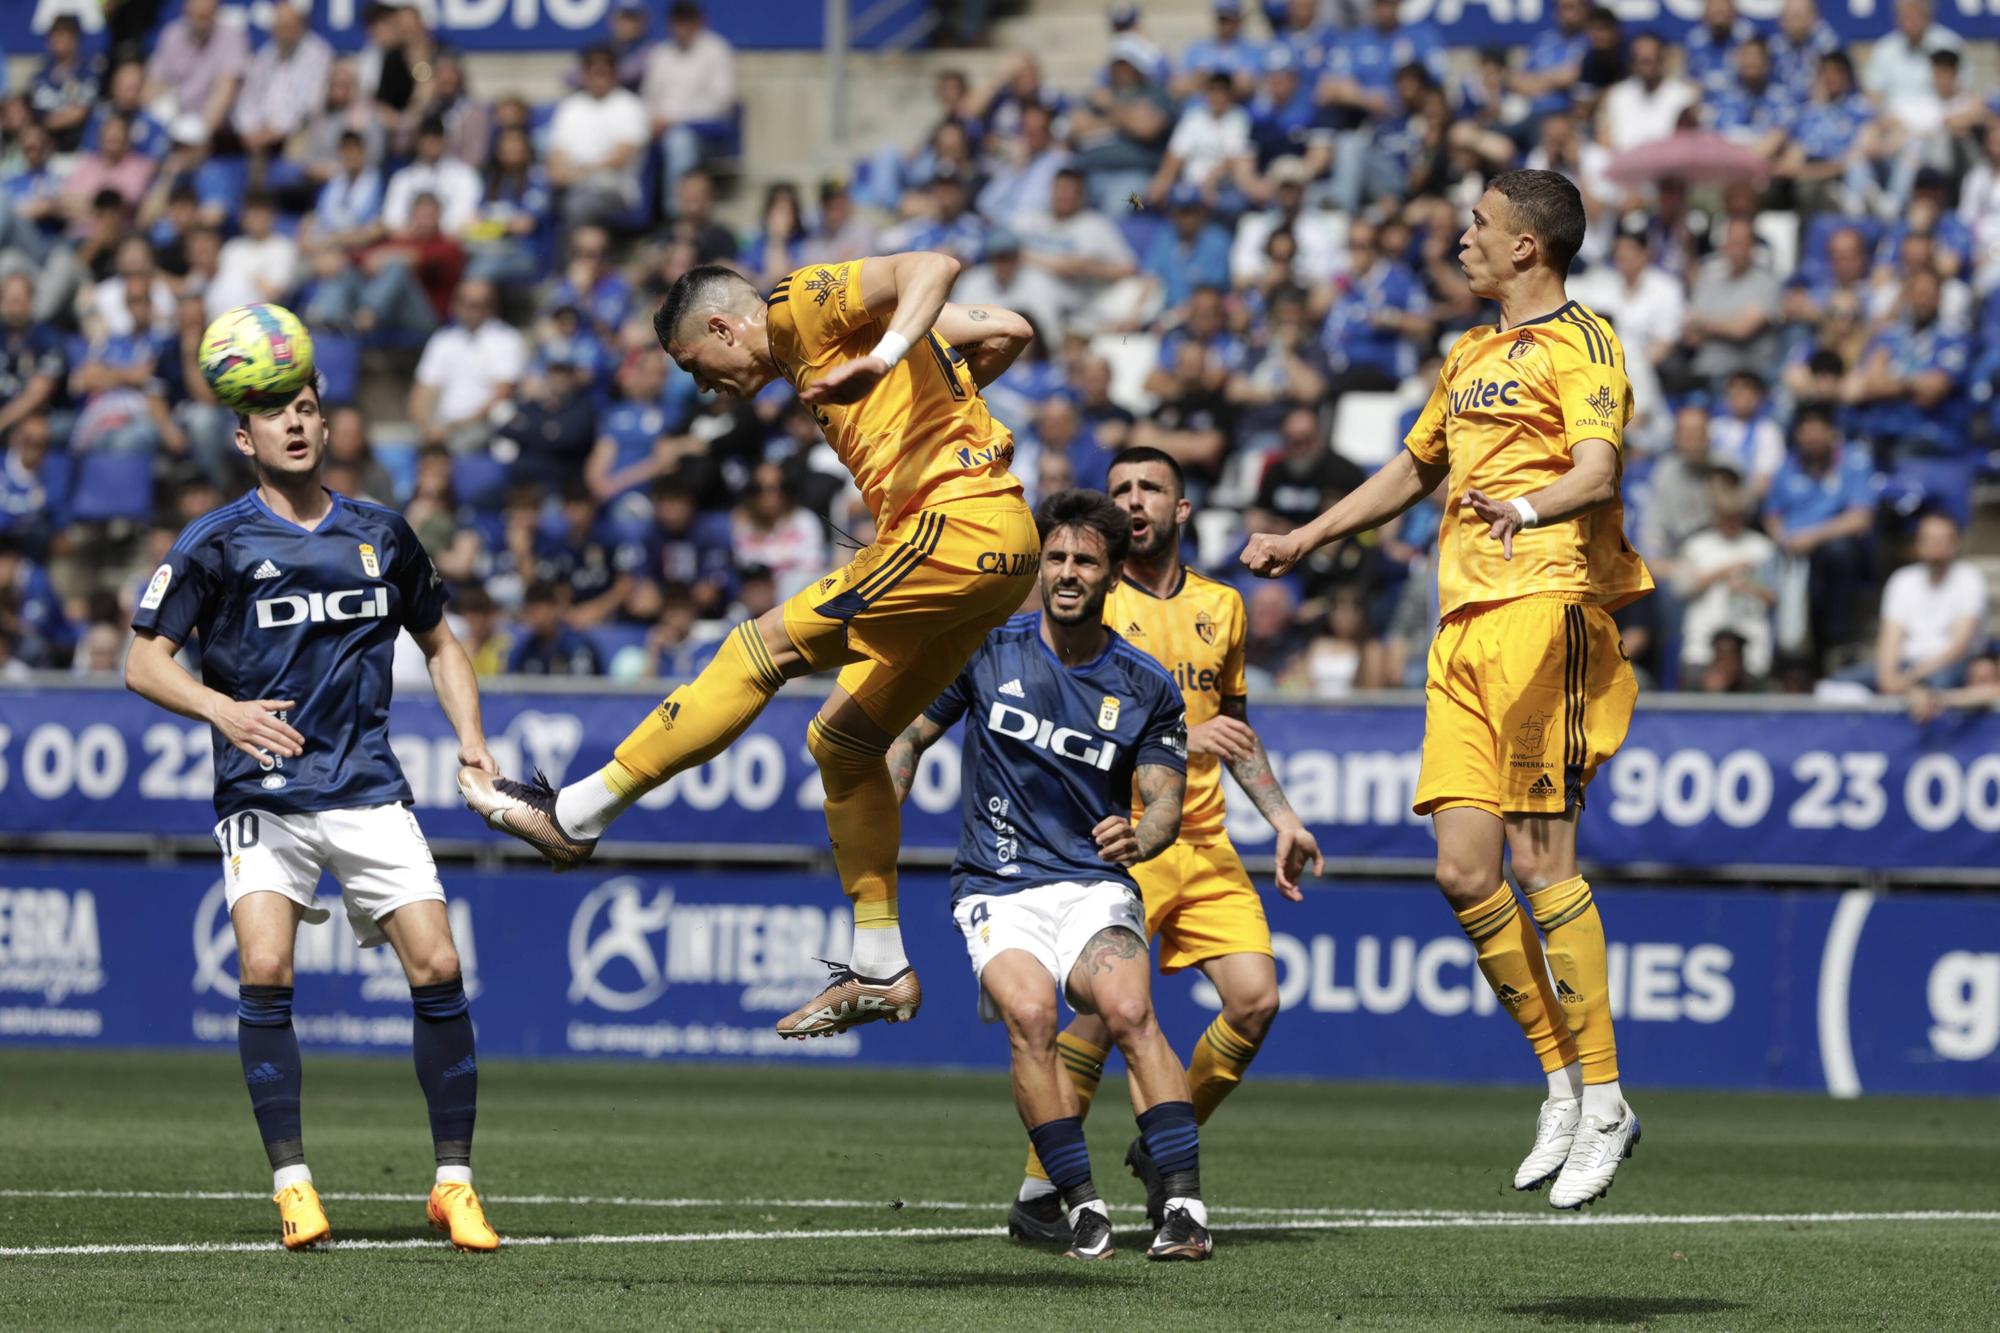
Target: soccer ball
x: 256, y: 357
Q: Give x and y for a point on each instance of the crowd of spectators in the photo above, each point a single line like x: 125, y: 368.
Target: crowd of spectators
x: 1243, y: 253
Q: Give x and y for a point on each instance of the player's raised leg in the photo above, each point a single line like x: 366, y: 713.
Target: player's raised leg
x: 1469, y: 869
x: 689, y: 727
x: 1543, y: 851
x: 441, y: 1044
x: 1024, y: 993
x: 266, y: 925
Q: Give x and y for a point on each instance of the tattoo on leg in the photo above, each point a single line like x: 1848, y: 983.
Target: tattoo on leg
x: 1110, y: 946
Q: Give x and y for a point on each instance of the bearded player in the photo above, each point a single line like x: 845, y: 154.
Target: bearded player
x: 1529, y: 691
x: 892, y: 373
x: 1200, y: 903
x: 297, y: 596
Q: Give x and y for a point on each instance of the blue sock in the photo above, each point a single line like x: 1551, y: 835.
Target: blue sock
x: 1174, y: 1144
x: 441, y: 1042
x: 271, y: 1070
x: 1066, y: 1157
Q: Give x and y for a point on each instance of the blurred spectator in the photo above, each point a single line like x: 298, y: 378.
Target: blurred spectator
x: 1286, y: 368
x: 469, y: 367
x: 468, y: 122
x: 1645, y: 107
x: 1270, y: 640
x: 1343, y: 657
x: 343, y: 111
x: 1911, y: 379
x: 689, y: 89
x: 1085, y: 253
x: 553, y: 426
x: 259, y: 265
x: 34, y: 487
x: 1554, y: 61
x: 32, y: 362
x: 1678, y: 500
x: 1802, y: 41
x: 1193, y: 253
x: 1120, y: 132
x: 1379, y: 314
x: 65, y: 86
x: 1318, y: 234
x: 694, y: 219
x: 1304, y: 479
x: 33, y: 616
x: 591, y: 285
x: 1899, y: 63
x: 401, y: 285
x: 1827, y: 157
x: 285, y: 84
x: 1821, y: 512
x: 1933, y: 615
x: 769, y: 528
x: 127, y: 88
x: 134, y: 297
x: 584, y: 565
x: 508, y: 240
x: 347, y: 445
x: 1727, y: 668
x: 196, y: 66
x: 1727, y: 580
x: 778, y: 245
x: 942, y: 219
x: 1021, y: 183
x: 841, y: 231
x: 1981, y: 690
x: 634, y: 447
x: 1230, y: 50
x: 1730, y: 311
x: 1744, y: 437
x: 1005, y: 280
x: 1711, y: 47
x: 1209, y: 150
x: 546, y: 645
x: 631, y: 41
x: 112, y: 166
x: 347, y: 213
x: 486, y: 639
x: 594, y: 144
x: 689, y: 547
x: 453, y: 184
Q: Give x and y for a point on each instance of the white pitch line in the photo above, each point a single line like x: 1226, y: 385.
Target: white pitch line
x: 968, y: 1233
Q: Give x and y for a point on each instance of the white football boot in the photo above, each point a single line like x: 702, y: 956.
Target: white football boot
x: 1555, y: 1130
x: 1594, y: 1158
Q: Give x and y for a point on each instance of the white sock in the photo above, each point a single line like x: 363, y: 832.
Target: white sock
x: 1194, y: 1206
x: 454, y: 1175
x: 287, y: 1176
x: 1032, y: 1189
x: 1094, y: 1206
x: 1567, y: 1081
x: 586, y: 808
x: 878, y: 952
x: 1604, y: 1101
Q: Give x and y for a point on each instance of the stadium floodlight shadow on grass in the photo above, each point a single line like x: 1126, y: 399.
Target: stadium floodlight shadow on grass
x: 1620, y: 1310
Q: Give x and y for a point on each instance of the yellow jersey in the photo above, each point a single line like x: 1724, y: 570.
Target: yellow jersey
x: 1197, y: 634
x: 921, y: 436
x: 1506, y: 411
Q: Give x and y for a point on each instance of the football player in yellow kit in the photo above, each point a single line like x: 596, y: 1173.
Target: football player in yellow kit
x: 1200, y: 903
x: 1529, y: 692
x: 892, y: 373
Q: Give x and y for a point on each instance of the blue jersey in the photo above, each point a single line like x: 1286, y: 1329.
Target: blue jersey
x: 284, y: 613
x: 1049, y: 752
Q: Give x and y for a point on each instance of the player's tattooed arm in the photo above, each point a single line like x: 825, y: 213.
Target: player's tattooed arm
x: 1252, y: 770
x: 988, y: 337
x: 1161, y: 790
x: 908, y: 748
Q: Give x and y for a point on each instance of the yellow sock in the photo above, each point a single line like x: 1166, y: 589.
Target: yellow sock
x: 1221, y: 1058
x: 697, y: 721
x: 1085, y: 1064
x: 1575, y: 945
x: 866, y: 826
x: 1510, y: 958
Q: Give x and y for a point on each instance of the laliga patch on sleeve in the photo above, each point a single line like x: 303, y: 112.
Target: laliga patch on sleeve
x: 156, y: 591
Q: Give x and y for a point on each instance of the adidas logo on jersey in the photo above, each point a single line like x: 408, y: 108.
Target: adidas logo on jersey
x: 1542, y: 787
x: 1132, y: 631
x: 267, y: 570
x: 1012, y: 689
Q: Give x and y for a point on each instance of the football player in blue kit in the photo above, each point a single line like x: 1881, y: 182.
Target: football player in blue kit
x: 296, y: 596
x: 1064, y: 720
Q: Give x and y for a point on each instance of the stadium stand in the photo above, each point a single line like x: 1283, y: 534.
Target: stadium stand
x: 1217, y: 214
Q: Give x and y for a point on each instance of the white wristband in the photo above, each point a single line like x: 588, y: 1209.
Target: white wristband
x: 892, y: 348
x: 1529, y: 518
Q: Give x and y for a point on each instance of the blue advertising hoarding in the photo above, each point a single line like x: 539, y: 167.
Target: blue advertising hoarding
x: 567, y: 25
x: 1849, y: 993
x: 1845, y: 791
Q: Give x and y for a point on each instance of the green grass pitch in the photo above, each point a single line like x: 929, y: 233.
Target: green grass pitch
x: 1334, y: 1206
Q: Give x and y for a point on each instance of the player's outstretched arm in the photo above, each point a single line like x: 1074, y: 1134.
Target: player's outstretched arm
x: 1252, y: 770
x: 251, y: 725
x: 908, y: 748
x: 907, y: 292
x: 1397, y: 485
x: 457, y: 692
x: 1592, y: 480
x: 988, y: 337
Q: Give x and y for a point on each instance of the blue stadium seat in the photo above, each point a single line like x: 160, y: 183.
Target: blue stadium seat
x: 112, y: 486
x: 338, y: 356
x: 614, y: 635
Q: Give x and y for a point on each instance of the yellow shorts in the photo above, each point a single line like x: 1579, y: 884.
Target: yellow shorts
x: 1524, y: 701
x: 904, y: 616
x: 1200, y: 904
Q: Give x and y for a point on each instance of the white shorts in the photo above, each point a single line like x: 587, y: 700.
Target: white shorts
x: 1051, y: 921
x: 377, y: 853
